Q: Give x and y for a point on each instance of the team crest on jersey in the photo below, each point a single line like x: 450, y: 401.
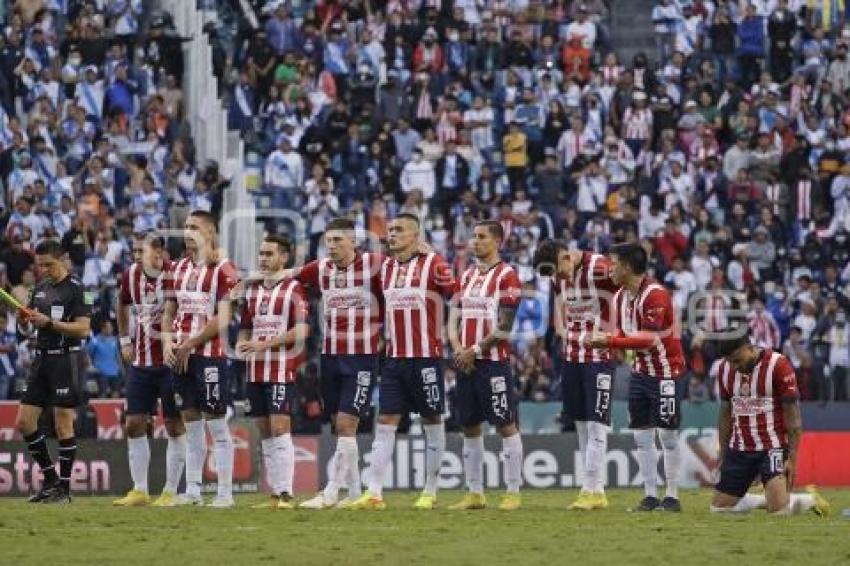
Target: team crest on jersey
x: 429, y: 375
x: 402, y: 272
x: 192, y: 283
x: 745, y: 389
x: 341, y: 280
x: 264, y: 308
x: 364, y: 378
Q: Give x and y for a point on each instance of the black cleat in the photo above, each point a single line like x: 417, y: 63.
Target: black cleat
x: 286, y: 497
x: 43, y: 493
x: 671, y: 504
x: 648, y: 503
x: 58, y: 495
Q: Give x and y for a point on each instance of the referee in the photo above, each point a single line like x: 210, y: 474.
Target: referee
x: 60, y: 321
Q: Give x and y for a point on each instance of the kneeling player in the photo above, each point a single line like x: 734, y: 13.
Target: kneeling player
x: 272, y: 341
x: 759, y: 428
x: 143, y: 288
x: 488, y: 298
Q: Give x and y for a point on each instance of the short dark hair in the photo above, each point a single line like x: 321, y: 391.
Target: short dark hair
x: 207, y: 217
x: 151, y: 238
x: 340, y: 223
x: 545, y: 259
x: 283, y: 243
x: 493, y: 226
x: 726, y: 348
x: 50, y: 247
x: 632, y: 255
x: 408, y: 216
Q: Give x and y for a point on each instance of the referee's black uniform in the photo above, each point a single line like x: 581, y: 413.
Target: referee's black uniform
x: 54, y: 377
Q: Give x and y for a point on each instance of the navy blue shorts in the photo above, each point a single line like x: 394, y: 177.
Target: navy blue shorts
x: 265, y: 399
x: 412, y: 384
x: 147, y: 385
x: 487, y: 393
x: 654, y: 403
x: 347, y: 383
x: 205, y: 387
x: 587, y: 389
x: 740, y: 469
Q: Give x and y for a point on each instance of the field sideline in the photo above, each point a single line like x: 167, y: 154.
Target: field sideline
x: 91, y: 531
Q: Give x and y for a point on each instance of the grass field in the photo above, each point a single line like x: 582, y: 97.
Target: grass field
x: 90, y: 531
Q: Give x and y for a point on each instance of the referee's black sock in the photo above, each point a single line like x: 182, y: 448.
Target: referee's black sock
x: 67, y: 453
x: 37, y: 444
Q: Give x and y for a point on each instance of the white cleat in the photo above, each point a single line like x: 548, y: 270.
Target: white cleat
x: 318, y: 502
x: 222, y: 502
x: 187, y: 499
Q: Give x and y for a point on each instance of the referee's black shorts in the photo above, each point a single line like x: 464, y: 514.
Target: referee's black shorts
x: 54, y: 381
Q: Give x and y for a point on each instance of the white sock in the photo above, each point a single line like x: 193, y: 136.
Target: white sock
x: 271, y: 464
x: 672, y: 460
x: 175, y: 459
x: 351, y: 453
x: 581, y: 431
x: 746, y: 504
x: 647, y: 460
x: 435, y: 445
x: 597, y: 448
x: 382, y: 452
x: 512, y: 450
x: 473, y: 463
x: 801, y: 502
x: 285, y: 455
x: 196, y: 454
x: 139, y: 453
x: 337, y: 473
x: 223, y: 450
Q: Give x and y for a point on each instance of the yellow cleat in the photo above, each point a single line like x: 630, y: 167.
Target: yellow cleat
x: 165, y: 499
x: 426, y: 502
x: 134, y: 498
x: 600, y: 501
x: 368, y: 501
x: 822, y: 507
x: 470, y: 501
x: 271, y: 502
x: 510, y: 502
x: 584, y: 502
x: 286, y: 502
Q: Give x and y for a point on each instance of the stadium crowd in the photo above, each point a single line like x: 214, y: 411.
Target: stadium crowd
x: 724, y: 153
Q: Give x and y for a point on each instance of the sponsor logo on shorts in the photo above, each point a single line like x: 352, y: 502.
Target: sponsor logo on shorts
x: 63, y: 390
x: 211, y: 375
x: 603, y: 381
x: 364, y: 378
x: 668, y: 387
x: 498, y: 384
x: 429, y: 375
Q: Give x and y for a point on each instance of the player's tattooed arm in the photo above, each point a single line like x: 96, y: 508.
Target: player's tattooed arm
x: 507, y: 315
x: 724, y: 426
x: 794, y: 426
x: 168, y: 312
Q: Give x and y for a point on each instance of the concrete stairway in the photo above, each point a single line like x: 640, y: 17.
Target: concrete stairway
x: 632, y: 30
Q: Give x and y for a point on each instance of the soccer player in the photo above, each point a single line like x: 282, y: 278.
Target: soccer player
x: 350, y: 286
x: 60, y: 315
x: 194, y: 324
x: 274, y: 328
x: 584, y: 291
x: 759, y: 427
x: 485, y: 308
x: 143, y: 290
x: 646, y: 324
x: 415, y: 287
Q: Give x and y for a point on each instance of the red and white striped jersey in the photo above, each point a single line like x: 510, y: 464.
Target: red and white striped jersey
x: 351, y: 303
x: 764, y: 331
x: 637, y: 124
x: 716, y: 304
x: 198, y: 289
x: 146, y: 296
x: 804, y: 200
x: 584, y: 304
x: 414, y: 294
x: 651, y: 310
x: 481, y: 295
x: 269, y: 312
x: 758, y: 416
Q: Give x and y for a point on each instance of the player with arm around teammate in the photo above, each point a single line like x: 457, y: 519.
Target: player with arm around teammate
x: 485, y: 308
x: 759, y: 426
x: 272, y: 341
